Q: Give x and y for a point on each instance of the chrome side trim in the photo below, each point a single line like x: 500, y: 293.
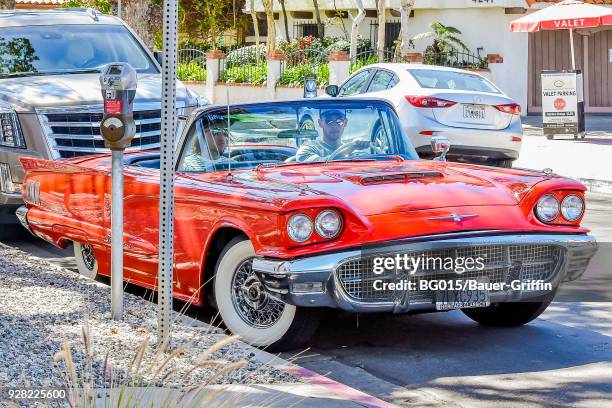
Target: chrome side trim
x: 22, y: 216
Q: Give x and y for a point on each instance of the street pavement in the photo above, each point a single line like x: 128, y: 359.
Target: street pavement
x: 588, y: 159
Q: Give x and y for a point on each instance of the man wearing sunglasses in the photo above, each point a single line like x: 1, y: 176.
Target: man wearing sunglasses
x: 332, y: 123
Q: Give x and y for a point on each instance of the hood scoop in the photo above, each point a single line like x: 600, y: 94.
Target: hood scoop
x: 388, y: 177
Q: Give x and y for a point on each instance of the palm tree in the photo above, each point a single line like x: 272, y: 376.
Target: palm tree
x: 445, y: 38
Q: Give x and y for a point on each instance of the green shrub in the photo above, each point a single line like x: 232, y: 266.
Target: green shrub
x: 294, y: 76
x: 246, y: 74
x: 191, y: 72
x: 362, y: 62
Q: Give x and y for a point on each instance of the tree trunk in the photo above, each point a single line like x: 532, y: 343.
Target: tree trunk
x: 380, y: 47
x: 268, y: 6
x: 282, y: 3
x: 320, y: 28
x: 144, y: 16
x: 7, y: 4
x: 255, y: 28
x: 405, y: 10
x: 355, y: 28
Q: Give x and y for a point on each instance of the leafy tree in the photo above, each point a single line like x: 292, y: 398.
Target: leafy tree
x: 320, y: 28
x: 104, y: 6
x: 7, y: 4
x: 17, y: 55
x: 445, y: 38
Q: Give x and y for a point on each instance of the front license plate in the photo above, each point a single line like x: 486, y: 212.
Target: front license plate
x: 461, y: 299
x: 474, y: 112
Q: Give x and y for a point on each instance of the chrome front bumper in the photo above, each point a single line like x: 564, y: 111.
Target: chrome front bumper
x: 314, y: 281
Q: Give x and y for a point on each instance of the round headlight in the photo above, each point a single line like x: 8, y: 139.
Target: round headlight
x: 572, y: 207
x: 547, y: 208
x: 328, y: 224
x: 299, y: 227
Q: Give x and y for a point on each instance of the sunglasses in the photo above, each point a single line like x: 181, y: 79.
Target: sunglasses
x: 337, y: 122
x: 219, y: 131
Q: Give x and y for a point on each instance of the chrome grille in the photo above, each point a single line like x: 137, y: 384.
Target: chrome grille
x: 536, y: 261
x: 77, y: 133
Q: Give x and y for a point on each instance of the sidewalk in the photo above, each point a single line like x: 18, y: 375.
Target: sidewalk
x: 588, y: 160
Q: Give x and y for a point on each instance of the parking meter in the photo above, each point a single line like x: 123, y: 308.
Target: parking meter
x: 118, y: 82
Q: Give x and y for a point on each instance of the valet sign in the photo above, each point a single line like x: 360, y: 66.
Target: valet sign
x: 561, y: 99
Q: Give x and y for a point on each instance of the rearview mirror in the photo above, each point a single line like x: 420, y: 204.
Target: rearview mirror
x: 159, y: 56
x: 440, y: 146
x: 331, y: 90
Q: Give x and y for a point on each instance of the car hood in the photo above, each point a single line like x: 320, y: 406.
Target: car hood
x: 26, y: 94
x: 372, y: 188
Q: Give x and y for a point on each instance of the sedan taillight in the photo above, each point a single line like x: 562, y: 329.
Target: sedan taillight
x: 511, y: 108
x: 429, y: 102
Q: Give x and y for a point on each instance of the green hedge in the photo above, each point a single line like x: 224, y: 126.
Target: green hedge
x: 294, y: 76
x: 191, y: 72
x: 246, y: 74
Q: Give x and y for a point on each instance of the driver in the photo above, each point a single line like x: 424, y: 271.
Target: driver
x: 332, y: 122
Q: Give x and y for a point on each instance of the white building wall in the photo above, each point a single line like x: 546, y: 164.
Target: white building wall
x: 483, y: 25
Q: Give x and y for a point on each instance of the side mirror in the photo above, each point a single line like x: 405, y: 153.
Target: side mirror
x: 440, y: 146
x: 159, y: 56
x: 332, y: 90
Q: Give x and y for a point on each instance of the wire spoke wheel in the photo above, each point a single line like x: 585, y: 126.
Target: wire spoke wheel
x: 250, y: 299
x: 89, y: 259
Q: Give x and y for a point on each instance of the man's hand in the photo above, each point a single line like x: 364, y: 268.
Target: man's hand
x: 360, y: 144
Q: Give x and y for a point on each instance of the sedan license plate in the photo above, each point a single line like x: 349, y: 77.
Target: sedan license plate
x: 474, y: 112
x: 461, y: 299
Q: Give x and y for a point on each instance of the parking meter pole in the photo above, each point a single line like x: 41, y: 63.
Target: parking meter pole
x: 166, y: 182
x: 117, y: 236
x: 118, y: 83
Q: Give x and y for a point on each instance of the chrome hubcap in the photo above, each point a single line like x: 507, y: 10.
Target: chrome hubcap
x: 250, y: 299
x: 89, y: 259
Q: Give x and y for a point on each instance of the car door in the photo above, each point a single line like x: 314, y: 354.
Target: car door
x: 382, y: 80
x: 356, y: 84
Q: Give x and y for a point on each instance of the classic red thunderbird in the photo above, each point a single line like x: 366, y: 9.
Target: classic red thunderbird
x: 284, y: 208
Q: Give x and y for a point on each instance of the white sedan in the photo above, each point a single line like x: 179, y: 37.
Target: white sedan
x: 481, y: 122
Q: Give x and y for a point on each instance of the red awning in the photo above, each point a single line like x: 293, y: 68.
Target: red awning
x: 568, y: 14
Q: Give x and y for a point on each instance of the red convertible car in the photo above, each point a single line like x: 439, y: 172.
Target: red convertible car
x: 277, y: 219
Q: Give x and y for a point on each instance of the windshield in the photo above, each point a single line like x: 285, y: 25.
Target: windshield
x: 294, y: 132
x: 438, y: 79
x: 58, y: 49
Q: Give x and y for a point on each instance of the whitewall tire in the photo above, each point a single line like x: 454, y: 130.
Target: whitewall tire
x: 248, y: 311
x: 85, y: 257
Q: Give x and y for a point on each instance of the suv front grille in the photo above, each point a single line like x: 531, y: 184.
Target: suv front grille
x: 78, y: 133
x: 535, y: 261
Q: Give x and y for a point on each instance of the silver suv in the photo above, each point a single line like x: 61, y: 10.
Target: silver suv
x: 50, y: 99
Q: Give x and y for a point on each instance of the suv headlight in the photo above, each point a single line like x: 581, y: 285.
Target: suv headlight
x: 299, y: 227
x: 10, y: 131
x: 547, y: 208
x: 328, y: 224
x: 572, y: 207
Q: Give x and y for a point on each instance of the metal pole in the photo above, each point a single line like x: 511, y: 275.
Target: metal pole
x: 571, y: 33
x: 166, y: 182
x: 117, y: 236
x: 119, y: 8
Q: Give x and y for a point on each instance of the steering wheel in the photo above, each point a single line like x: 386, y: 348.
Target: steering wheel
x: 344, y: 150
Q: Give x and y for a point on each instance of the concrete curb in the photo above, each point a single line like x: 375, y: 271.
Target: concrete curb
x: 343, y: 391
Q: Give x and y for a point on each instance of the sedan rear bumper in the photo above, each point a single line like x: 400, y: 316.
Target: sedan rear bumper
x: 473, y: 152
x: 345, y: 280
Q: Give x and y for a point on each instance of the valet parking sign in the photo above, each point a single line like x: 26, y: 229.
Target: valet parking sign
x: 562, y: 99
